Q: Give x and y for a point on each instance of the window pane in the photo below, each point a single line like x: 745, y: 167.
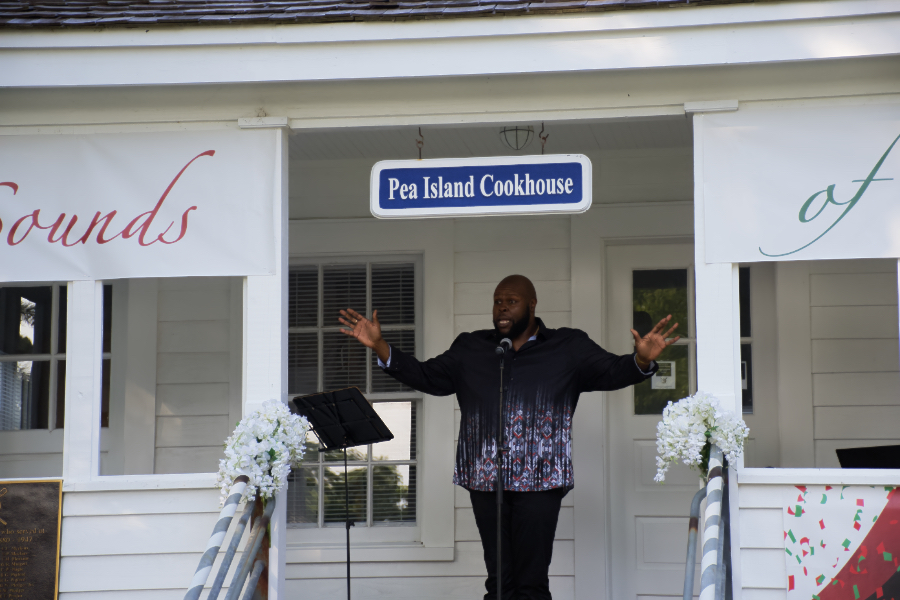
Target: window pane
x: 303, y: 297
x: 359, y: 453
x: 744, y: 296
x: 104, y: 395
x: 343, y: 286
x: 311, y: 455
x: 335, y: 498
x: 393, y: 494
x: 400, y: 418
x: 24, y: 396
x: 394, y: 293
x: 303, y: 501
x: 25, y: 320
x: 671, y: 383
x: 107, y: 318
x: 62, y: 318
x: 60, y: 394
x: 343, y: 362
x: 303, y: 363
x: 747, y: 378
x: 405, y: 341
x: 657, y: 294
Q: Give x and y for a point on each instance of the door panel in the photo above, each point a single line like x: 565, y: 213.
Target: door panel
x: 649, y: 520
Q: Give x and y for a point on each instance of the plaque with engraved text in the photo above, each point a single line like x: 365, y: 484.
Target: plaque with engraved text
x: 29, y: 539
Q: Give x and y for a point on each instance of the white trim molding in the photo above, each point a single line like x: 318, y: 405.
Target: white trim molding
x: 262, y: 122
x: 711, y: 106
x: 433, y: 240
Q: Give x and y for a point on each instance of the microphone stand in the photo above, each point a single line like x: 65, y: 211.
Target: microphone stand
x: 504, y: 346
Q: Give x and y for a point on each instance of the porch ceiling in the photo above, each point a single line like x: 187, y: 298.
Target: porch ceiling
x: 635, y: 160
x: 582, y: 137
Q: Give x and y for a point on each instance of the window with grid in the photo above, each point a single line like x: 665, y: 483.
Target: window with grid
x: 33, y: 359
x: 382, y: 477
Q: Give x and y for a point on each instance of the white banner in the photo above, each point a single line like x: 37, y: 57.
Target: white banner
x: 136, y: 205
x: 804, y: 183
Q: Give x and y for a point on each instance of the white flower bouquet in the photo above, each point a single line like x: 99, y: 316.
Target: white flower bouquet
x: 263, y: 447
x: 689, y: 428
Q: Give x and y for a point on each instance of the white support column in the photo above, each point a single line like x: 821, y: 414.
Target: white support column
x: 84, y: 368
x: 718, y: 335
x: 717, y: 304
x: 265, y: 342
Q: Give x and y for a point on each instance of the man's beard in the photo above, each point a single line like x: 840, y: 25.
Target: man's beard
x: 518, y: 327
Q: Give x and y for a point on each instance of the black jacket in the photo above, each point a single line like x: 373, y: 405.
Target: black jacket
x: 543, y: 382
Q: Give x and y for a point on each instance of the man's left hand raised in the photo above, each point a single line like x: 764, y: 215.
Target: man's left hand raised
x: 649, y: 347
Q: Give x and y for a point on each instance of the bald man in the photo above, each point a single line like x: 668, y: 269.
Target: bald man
x: 545, y: 372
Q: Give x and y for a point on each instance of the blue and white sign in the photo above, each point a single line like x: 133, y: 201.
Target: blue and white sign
x: 481, y: 186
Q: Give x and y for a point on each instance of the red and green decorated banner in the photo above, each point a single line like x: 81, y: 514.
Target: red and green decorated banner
x: 842, y: 542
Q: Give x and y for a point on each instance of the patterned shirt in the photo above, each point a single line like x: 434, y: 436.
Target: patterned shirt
x: 543, y: 381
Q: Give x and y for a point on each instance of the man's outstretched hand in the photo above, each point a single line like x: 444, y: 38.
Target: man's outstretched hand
x: 649, y: 347
x: 367, y: 332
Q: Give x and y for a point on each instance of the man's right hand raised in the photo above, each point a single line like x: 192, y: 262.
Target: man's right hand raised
x: 367, y: 332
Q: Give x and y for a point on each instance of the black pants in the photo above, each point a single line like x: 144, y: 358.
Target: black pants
x: 529, y: 524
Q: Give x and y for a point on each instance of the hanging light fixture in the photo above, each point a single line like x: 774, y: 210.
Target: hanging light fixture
x: 517, y: 137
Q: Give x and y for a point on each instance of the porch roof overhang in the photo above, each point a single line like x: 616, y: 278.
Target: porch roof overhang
x: 717, y: 35
x: 143, y: 13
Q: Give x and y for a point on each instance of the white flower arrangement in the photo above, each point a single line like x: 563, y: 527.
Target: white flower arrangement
x: 263, y: 447
x: 690, y: 426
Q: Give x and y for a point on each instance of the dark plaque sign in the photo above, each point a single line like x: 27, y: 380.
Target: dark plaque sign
x: 29, y: 539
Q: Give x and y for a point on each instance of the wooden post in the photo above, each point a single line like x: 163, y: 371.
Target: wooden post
x: 718, y: 333
x: 84, y: 367
x: 265, y: 343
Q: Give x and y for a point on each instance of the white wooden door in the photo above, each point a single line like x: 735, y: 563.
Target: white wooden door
x: 648, y: 528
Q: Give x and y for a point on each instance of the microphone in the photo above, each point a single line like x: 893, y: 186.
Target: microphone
x: 505, y: 345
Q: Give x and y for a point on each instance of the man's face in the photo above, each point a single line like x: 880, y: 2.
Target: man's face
x: 512, y: 311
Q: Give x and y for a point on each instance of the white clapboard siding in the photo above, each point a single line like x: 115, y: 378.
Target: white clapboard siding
x: 192, y: 367
x: 188, y: 460
x: 761, y: 527
x: 195, y: 374
x: 764, y: 594
x: 854, y: 322
x: 134, y: 545
x: 853, y: 289
x: 854, y: 422
x: 499, y: 233
x: 13, y: 466
x: 193, y: 336
x: 854, y: 356
x: 142, y: 502
x: 191, y: 431
x: 843, y: 389
x: 173, y: 594
x: 190, y: 399
x: 551, y: 264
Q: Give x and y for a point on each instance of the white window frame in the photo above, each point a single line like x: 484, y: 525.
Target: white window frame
x: 21, y: 444
x: 433, y: 242
x: 319, y: 533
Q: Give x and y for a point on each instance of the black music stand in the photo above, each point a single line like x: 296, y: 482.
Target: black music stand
x: 342, y: 419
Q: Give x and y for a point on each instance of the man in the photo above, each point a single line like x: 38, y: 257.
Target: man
x: 545, y: 372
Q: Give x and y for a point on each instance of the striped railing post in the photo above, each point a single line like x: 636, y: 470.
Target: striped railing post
x: 216, y: 539
x: 709, y: 560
